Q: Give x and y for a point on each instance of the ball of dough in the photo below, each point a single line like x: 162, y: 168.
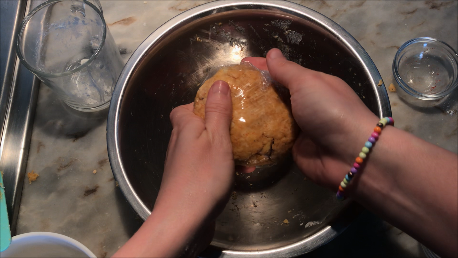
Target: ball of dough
x: 262, y: 129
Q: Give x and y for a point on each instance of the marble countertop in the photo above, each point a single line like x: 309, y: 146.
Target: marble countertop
x: 76, y: 194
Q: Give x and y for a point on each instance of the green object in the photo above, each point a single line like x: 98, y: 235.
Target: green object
x: 5, y: 233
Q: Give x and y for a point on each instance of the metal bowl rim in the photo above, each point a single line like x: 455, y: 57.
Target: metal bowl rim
x: 308, y: 244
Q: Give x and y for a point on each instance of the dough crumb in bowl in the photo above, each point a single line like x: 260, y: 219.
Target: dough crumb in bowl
x: 262, y: 129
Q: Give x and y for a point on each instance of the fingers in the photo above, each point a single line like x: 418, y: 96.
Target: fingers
x: 189, y: 106
x: 218, y: 110
x: 306, y: 156
x: 287, y: 73
x: 258, y: 62
x: 179, y: 114
x: 304, y: 148
x: 245, y: 170
x: 185, y: 123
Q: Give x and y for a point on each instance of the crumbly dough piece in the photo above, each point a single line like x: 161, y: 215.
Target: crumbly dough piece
x: 262, y: 129
x: 32, y: 176
x: 391, y: 88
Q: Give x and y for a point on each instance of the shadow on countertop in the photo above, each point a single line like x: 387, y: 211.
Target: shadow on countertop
x: 56, y: 119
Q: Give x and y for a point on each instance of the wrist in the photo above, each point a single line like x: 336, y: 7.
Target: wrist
x: 406, y: 185
x: 169, y: 233
x: 362, y: 158
x: 379, y: 179
x: 169, y: 214
x: 359, y: 133
x: 376, y: 175
x: 163, y: 234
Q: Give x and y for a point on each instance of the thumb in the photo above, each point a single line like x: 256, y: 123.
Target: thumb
x: 218, y: 109
x: 287, y: 73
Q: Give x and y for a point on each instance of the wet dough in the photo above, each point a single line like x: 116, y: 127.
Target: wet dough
x: 262, y: 128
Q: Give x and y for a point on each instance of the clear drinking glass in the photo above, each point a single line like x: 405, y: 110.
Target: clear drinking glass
x: 67, y: 45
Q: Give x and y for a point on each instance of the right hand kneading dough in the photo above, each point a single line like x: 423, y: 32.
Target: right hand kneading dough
x: 262, y: 129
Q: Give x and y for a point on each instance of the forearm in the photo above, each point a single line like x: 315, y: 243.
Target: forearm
x: 413, y: 185
x: 409, y: 182
x: 160, y: 236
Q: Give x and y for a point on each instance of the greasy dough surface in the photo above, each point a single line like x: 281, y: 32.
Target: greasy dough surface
x: 262, y: 128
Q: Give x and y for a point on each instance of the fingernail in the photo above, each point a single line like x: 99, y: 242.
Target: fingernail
x: 275, y: 53
x: 220, y: 87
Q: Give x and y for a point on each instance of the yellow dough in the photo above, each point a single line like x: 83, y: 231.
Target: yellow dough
x: 262, y: 128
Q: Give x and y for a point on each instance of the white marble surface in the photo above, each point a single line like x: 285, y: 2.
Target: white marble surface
x: 67, y: 146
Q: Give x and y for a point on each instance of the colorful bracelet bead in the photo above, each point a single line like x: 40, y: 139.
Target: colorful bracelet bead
x: 363, y: 155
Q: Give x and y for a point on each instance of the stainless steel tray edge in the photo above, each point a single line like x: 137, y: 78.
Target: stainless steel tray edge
x: 17, y: 113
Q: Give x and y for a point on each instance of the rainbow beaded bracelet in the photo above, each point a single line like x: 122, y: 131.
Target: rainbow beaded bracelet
x: 362, y: 155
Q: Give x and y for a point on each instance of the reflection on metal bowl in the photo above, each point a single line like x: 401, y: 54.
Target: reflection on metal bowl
x: 167, y: 70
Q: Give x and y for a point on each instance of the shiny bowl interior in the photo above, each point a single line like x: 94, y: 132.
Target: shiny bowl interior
x: 426, y: 68
x: 167, y: 70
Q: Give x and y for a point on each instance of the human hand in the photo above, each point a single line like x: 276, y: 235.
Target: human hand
x: 331, y: 117
x: 199, y: 168
x: 196, y: 184
x: 401, y: 179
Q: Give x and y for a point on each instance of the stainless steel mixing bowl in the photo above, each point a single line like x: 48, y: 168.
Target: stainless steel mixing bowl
x: 166, y: 71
